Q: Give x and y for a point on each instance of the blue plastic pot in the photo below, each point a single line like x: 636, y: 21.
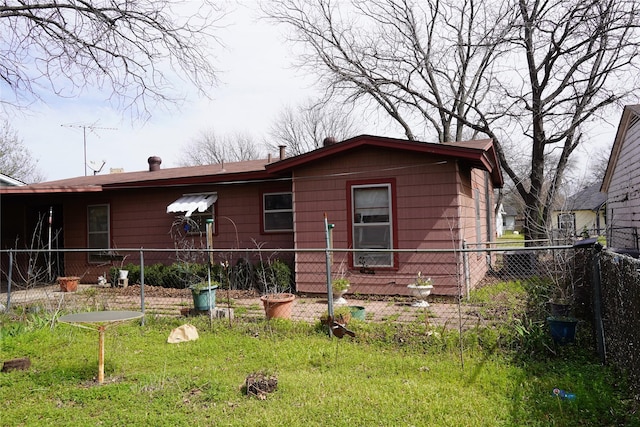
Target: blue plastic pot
x: 563, y: 330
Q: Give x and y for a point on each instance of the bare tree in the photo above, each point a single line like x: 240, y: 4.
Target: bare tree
x: 210, y: 148
x: 125, y: 48
x: 531, y: 75
x: 16, y: 161
x: 305, y: 127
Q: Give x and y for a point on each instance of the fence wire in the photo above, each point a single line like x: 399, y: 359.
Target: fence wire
x: 158, y: 281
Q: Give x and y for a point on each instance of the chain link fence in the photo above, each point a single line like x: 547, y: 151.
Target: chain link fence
x: 158, y: 281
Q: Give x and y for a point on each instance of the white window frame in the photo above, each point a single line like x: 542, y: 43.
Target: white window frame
x: 266, y: 212
x: 371, y: 259
x: 567, y: 223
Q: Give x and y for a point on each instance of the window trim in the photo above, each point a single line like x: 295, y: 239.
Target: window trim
x: 214, y: 215
x: 561, y: 222
x: 264, y: 211
x: 390, y: 183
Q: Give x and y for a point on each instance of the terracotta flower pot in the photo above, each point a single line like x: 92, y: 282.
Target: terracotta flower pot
x: 278, y: 305
x: 68, y: 283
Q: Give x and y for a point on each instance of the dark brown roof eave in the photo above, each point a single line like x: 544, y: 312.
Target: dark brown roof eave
x: 232, y: 178
x: 51, y: 190
x: 479, y: 153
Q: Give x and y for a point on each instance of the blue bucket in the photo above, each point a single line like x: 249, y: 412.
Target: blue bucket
x: 563, y: 330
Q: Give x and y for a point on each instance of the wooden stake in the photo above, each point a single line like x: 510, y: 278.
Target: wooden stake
x: 101, y: 354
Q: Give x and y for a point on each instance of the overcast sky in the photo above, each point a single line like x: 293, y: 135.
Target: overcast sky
x: 257, y: 82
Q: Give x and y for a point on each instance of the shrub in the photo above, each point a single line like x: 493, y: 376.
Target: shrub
x: 274, y: 276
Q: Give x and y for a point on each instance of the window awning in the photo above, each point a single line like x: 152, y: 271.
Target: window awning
x: 192, y: 202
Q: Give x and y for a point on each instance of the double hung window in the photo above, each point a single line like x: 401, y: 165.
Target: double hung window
x: 372, y: 224
x: 277, y: 212
x: 98, y: 229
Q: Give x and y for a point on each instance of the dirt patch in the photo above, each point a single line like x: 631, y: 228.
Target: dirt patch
x: 161, y: 292
x: 259, y: 385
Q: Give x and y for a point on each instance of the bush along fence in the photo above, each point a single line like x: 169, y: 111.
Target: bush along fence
x: 488, y: 288
x: 457, y: 292
x: 614, y: 280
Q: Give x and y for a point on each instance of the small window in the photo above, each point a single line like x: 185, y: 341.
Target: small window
x: 567, y: 223
x: 98, y: 233
x: 372, y: 224
x: 278, y: 212
x: 197, y: 222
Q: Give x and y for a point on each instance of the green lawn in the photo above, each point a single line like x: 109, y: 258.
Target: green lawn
x: 389, y: 375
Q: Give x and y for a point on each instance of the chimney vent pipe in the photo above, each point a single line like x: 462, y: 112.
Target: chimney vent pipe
x: 154, y: 163
x: 328, y: 141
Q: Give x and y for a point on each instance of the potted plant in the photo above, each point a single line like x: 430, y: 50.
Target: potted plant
x: 275, y: 279
x: 563, y: 329
x: 123, y: 274
x: 341, y: 315
x: 340, y: 286
x: 68, y: 283
x: 560, y: 272
x: 204, y: 295
x: 421, y: 289
x: 562, y: 324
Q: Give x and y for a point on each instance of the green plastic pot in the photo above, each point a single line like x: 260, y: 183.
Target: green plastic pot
x: 201, y: 298
x: 357, y: 312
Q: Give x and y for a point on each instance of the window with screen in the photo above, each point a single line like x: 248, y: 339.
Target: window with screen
x: 98, y: 230
x: 277, y: 212
x: 372, y: 224
x: 197, y: 222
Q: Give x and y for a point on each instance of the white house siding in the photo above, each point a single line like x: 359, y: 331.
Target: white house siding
x: 623, y: 201
x: 585, y: 219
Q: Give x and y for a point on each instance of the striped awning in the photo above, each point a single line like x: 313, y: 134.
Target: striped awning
x: 192, y: 202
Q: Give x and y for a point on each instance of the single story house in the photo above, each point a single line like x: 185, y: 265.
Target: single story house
x: 505, y: 219
x: 621, y: 182
x: 380, y: 193
x: 582, y: 214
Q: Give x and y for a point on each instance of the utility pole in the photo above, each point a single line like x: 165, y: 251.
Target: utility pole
x: 84, y: 128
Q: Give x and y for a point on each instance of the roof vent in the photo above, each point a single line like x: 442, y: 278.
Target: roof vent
x: 329, y: 141
x: 283, y: 152
x: 154, y: 163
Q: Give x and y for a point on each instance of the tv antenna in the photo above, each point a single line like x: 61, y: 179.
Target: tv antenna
x: 94, y: 165
x: 92, y: 128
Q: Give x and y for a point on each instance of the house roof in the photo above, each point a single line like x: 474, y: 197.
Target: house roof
x: 251, y: 169
x: 480, y: 154
x: 589, y: 198
x: 7, y: 181
x: 630, y: 115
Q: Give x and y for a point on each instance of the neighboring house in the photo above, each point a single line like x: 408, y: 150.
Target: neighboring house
x: 621, y: 182
x: 582, y: 214
x: 506, y: 219
x: 500, y: 212
x: 510, y: 218
x: 380, y: 193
